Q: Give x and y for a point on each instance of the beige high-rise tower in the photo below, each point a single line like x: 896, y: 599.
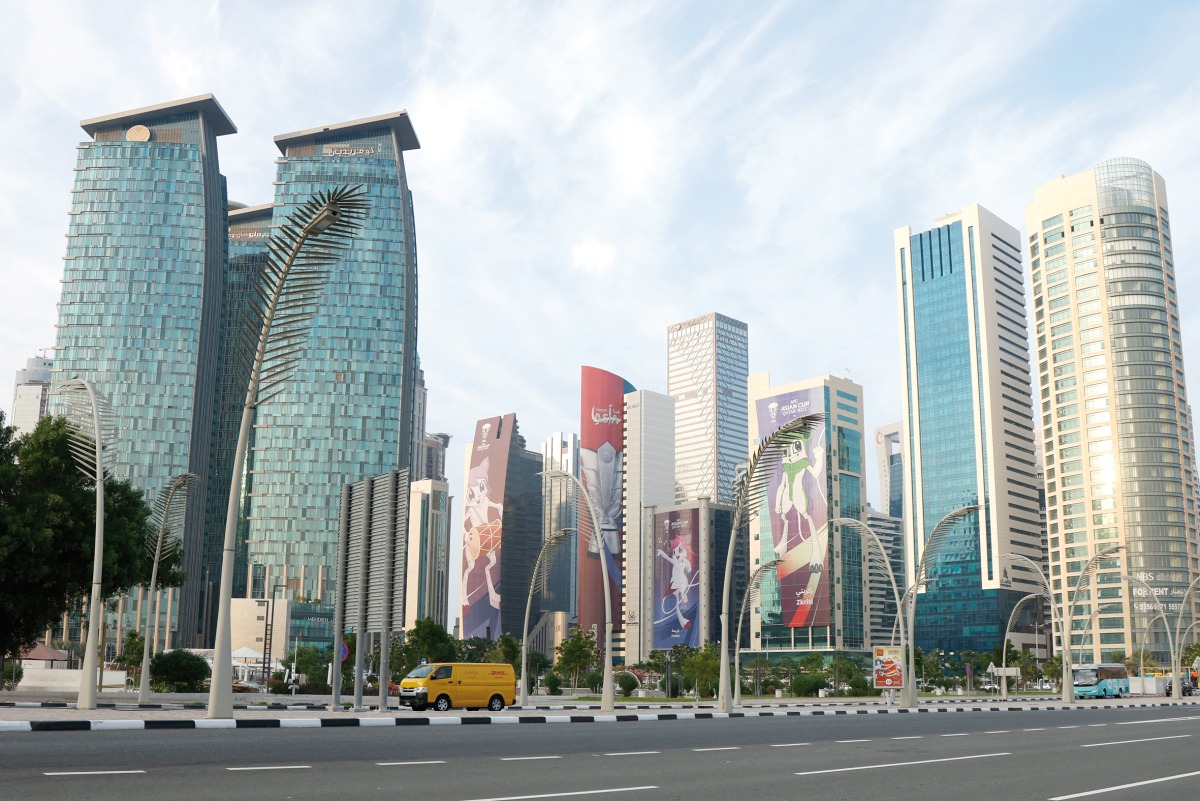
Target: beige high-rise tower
x: 1115, y: 424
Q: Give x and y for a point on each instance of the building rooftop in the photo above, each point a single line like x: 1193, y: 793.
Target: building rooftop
x: 397, y: 121
x: 207, y: 105
x: 240, y: 211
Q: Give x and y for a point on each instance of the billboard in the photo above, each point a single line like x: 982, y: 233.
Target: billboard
x: 483, y: 515
x: 889, y: 675
x: 601, y: 468
x: 677, y: 579
x: 799, y: 509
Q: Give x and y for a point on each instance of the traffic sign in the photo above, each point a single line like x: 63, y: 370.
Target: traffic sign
x: 345, y: 651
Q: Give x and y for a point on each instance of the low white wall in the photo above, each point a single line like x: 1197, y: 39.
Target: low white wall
x: 65, y: 680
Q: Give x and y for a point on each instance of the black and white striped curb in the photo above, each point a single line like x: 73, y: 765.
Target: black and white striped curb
x: 451, y: 720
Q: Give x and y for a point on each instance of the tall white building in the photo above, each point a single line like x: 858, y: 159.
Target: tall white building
x: 1115, y: 422
x: 427, y: 554
x: 889, y: 453
x: 967, y: 421
x: 649, y: 486
x: 707, y: 366
x: 31, y: 397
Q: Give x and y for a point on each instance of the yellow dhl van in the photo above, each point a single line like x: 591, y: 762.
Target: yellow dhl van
x: 473, y: 685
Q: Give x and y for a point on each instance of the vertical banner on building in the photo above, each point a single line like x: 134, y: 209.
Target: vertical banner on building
x: 799, y: 510
x: 888, y: 673
x: 677, y: 579
x: 483, y: 514
x: 601, y: 467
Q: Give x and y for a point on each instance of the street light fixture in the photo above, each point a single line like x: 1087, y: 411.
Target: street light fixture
x: 1004, y: 644
x: 751, y: 488
x: 285, y: 298
x: 537, y: 583
x: 92, y: 434
x: 169, y: 511
x: 606, y: 694
x: 751, y: 593
x: 908, y: 694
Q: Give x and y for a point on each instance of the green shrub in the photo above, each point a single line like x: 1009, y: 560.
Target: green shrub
x: 628, y: 683
x: 807, y: 684
x: 179, y: 671
x: 13, y: 672
x: 553, y: 684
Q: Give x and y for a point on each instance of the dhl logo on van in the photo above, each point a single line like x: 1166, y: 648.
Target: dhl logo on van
x: 499, y: 673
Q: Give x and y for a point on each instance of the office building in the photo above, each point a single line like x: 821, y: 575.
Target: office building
x: 1115, y: 422
x: 560, y: 594
x: 427, y: 572
x: 31, y: 395
x: 815, y: 598
x: 347, y: 411
x: 707, y: 366
x: 882, y: 600
x: 140, y: 314
x: 502, y: 529
x: 649, y: 485
x: 435, y: 456
x: 967, y: 427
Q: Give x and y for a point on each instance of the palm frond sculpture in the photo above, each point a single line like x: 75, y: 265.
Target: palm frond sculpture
x: 163, y: 542
x: 286, y: 297
x: 92, y: 437
x: 751, y: 490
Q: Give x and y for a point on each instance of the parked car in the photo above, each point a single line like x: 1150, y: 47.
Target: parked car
x: 1185, y: 686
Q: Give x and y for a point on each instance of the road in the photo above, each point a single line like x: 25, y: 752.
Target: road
x: 1059, y: 755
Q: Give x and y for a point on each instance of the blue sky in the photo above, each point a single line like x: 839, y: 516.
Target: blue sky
x: 592, y: 172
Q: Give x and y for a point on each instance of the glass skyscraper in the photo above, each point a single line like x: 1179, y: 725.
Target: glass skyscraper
x: 708, y: 362
x: 967, y: 427
x: 144, y: 263
x: 1116, y: 425
x: 347, y: 412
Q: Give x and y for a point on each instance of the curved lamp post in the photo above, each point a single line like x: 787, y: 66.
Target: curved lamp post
x: 751, y: 488
x: 1062, y: 620
x: 877, y: 555
x: 606, y: 694
x: 536, y: 583
x: 1004, y: 644
x: 92, y: 433
x: 169, y: 511
x: 287, y: 293
x: 751, y: 593
x: 908, y: 695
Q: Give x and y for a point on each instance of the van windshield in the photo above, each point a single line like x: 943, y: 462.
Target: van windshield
x: 420, y: 672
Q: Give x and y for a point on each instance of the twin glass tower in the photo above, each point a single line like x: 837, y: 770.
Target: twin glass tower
x: 155, y: 278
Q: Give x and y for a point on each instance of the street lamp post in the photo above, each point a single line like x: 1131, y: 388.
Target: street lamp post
x: 287, y: 293
x: 606, y: 694
x: 165, y: 543
x: 750, y: 489
x: 1062, y: 620
x: 537, y: 582
x: 751, y: 593
x: 92, y: 434
x: 1004, y: 645
x: 908, y: 695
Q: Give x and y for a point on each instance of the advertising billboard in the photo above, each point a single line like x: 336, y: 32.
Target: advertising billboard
x: 601, y: 468
x: 888, y: 671
x: 799, y: 509
x: 677, y: 579
x: 483, y: 515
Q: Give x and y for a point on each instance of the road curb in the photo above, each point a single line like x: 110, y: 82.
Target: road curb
x: 136, y: 724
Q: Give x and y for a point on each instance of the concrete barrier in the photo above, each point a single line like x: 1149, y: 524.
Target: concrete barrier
x: 51, y: 680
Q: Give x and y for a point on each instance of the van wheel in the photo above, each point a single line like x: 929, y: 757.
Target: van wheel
x: 442, y: 704
x: 495, y: 704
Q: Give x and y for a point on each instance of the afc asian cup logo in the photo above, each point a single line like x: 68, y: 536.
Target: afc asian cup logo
x: 773, y: 410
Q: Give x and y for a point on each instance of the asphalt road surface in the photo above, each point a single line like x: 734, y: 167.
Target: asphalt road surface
x: 1100, y: 753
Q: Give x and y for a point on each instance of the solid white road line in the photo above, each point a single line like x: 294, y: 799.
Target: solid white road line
x: 524, y: 759
x: 788, y: 745
x: 1032, y: 729
x: 996, y: 732
x: 91, y: 772
x: 274, y: 767
x: 632, y: 753
x: 565, y: 794
x: 853, y: 741
x: 1097, y: 725
x: 902, y: 764
x: 959, y: 734
x: 721, y: 748
x: 1145, y: 740
x: 427, y: 762
x: 1126, y: 786
x: 911, y: 737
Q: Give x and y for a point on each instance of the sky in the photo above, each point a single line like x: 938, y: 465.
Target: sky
x: 590, y: 173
